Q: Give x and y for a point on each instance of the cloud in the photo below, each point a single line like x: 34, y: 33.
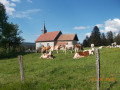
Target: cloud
x: 30, y: 1
x: 81, y: 27
x: 99, y: 25
x: 25, y: 14
x: 15, y: 0
x: 112, y: 25
x: 88, y: 34
x: 9, y: 6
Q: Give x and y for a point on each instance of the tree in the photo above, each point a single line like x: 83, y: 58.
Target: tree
x: 117, y: 38
x: 110, y: 37
x: 3, y: 20
x: 95, y: 37
x: 103, y: 39
x: 9, y: 32
x: 11, y: 36
x: 86, y: 42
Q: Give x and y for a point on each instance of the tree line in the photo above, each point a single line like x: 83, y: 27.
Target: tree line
x: 10, y: 38
x: 101, y: 39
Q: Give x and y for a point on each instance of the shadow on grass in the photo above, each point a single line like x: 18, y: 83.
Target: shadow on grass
x: 12, y: 55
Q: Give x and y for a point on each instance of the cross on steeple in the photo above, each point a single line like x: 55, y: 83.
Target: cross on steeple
x: 43, y: 31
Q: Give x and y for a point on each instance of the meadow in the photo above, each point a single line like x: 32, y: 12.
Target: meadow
x: 62, y: 72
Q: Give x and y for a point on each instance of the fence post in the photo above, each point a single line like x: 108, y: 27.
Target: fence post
x: 98, y: 68
x: 21, y: 68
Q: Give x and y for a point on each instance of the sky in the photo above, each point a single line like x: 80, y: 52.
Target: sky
x: 68, y: 16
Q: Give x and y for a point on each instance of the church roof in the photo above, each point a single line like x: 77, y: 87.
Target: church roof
x: 49, y: 36
x: 68, y: 37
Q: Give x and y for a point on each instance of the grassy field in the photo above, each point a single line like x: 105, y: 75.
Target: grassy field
x: 61, y: 73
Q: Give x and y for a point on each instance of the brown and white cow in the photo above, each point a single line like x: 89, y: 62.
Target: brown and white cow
x: 101, y: 47
x: 81, y: 54
x: 108, y: 46
x: 45, y: 49
x: 91, y: 51
x: 47, y: 55
x: 57, y: 48
x: 78, y: 47
x: 68, y: 47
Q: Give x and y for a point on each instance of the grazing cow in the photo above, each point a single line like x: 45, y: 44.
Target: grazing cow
x: 47, y: 55
x: 81, y: 54
x: 57, y: 48
x: 68, y: 47
x: 92, y: 45
x: 78, y: 47
x: 45, y: 49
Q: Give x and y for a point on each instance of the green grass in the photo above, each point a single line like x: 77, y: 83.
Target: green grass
x: 61, y: 73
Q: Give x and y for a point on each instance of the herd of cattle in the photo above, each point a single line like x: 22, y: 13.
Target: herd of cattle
x: 47, y: 52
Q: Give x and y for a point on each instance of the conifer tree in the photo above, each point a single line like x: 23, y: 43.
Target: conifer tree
x: 103, y: 39
x: 95, y: 37
x: 109, y: 37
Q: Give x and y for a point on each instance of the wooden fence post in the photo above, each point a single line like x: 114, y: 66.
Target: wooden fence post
x: 98, y: 68
x: 21, y: 67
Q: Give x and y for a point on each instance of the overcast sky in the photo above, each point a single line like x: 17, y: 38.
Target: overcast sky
x: 69, y: 16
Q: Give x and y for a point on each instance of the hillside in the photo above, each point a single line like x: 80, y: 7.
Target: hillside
x: 62, y: 72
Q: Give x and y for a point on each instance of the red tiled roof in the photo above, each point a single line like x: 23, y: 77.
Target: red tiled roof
x: 67, y: 37
x: 50, y: 36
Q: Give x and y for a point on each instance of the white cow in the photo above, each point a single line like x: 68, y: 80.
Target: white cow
x: 118, y: 46
x: 92, y: 45
x: 114, y: 44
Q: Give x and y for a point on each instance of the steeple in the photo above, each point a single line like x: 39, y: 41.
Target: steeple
x: 43, y: 31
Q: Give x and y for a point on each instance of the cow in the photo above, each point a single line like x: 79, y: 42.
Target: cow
x: 108, y: 46
x: 118, y: 46
x: 91, y: 51
x: 57, y: 48
x: 81, y: 54
x: 92, y: 45
x: 47, y: 55
x: 78, y: 47
x: 68, y: 47
x: 114, y: 44
x: 101, y: 47
x: 45, y: 49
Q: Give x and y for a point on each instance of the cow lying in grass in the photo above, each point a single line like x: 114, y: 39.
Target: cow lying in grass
x: 85, y: 53
x: 101, y: 47
x: 47, y: 55
x: 108, y: 46
x: 81, y: 54
x: 91, y: 52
